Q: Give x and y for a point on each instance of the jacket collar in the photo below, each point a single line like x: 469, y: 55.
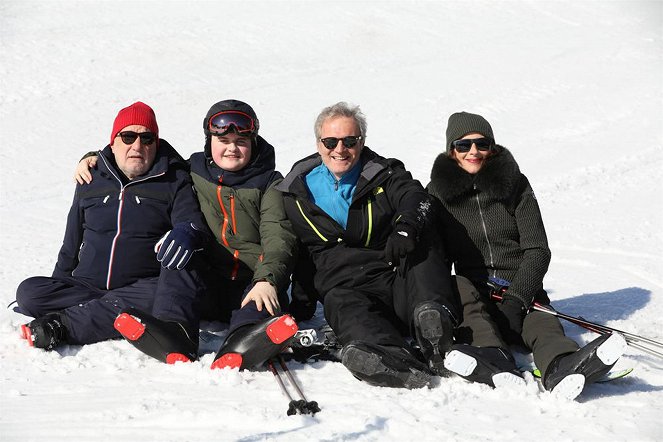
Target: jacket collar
x: 498, y: 177
x: 258, y: 173
x: 165, y: 157
x: 370, y: 167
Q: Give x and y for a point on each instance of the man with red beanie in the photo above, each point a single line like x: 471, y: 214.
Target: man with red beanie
x: 140, y: 200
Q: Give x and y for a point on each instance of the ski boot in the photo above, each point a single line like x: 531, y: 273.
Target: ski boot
x: 46, y: 332
x: 252, y: 345
x: 567, y: 375
x: 385, y: 366
x: 487, y: 365
x: 434, y: 332
x: 166, y: 341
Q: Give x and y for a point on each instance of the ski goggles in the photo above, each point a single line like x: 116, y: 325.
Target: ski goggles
x: 349, y: 141
x: 482, y: 144
x: 129, y: 137
x: 223, y: 122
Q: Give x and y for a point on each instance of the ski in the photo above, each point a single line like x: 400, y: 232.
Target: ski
x: 529, y: 367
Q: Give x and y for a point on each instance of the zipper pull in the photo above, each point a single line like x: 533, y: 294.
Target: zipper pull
x: 137, y: 199
x: 106, y: 199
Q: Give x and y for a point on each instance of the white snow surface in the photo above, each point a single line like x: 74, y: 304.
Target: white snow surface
x: 574, y: 89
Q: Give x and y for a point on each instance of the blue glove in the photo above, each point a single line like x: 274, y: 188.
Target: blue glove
x: 177, y: 246
x: 402, y: 241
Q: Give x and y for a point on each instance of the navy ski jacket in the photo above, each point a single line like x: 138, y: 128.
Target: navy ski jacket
x: 114, y: 223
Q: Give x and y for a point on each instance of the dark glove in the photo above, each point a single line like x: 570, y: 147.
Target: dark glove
x: 402, y: 241
x: 177, y: 246
x: 514, y: 311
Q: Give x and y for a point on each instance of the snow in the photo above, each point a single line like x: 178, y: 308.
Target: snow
x: 574, y: 89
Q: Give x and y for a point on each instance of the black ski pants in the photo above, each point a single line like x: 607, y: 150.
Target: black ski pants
x: 89, y: 312
x: 380, y: 310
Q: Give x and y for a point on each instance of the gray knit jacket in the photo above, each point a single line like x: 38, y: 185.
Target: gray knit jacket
x: 491, y: 225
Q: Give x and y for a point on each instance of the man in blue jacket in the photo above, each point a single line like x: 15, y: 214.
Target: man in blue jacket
x: 368, y: 255
x: 140, y: 201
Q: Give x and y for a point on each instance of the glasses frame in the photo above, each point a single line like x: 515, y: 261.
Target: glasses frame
x: 348, y: 142
x: 460, y: 147
x: 146, y: 138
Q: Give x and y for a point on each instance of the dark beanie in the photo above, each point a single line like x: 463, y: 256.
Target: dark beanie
x: 463, y: 123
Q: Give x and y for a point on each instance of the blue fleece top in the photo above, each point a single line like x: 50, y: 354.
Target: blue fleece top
x: 332, y: 195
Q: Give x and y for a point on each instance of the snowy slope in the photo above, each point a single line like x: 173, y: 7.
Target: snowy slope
x: 574, y: 89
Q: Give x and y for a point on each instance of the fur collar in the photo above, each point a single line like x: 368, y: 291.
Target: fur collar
x: 498, y: 177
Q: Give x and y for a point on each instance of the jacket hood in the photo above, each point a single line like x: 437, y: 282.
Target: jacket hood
x: 258, y: 173
x: 498, y: 177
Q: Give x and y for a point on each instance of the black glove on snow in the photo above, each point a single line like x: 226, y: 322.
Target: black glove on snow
x: 514, y: 311
x: 402, y: 241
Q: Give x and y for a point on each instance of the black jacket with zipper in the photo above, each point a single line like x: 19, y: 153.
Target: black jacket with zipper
x: 114, y: 223
x: 491, y: 224
x: 385, y: 194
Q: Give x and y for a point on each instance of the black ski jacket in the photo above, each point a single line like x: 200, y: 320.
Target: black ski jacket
x: 385, y: 194
x: 114, y: 223
x: 491, y: 224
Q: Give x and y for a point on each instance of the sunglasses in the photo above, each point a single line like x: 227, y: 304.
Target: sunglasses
x: 224, y: 122
x: 128, y: 137
x: 349, y: 141
x: 482, y: 144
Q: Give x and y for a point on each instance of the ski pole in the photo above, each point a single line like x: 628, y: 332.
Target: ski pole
x: 309, y: 406
x: 633, y: 340
x: 294, y: 406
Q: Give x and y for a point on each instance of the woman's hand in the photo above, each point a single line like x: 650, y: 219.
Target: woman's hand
x: 263, y: 294
x: 82, y: 173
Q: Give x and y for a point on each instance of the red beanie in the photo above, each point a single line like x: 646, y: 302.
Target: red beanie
x: 138, y: 113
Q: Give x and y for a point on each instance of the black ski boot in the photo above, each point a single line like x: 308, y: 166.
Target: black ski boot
x: 434, y: 332
x: 252, y: 345
x: 487, y: 365
x: 568, y: 374
x: 166, y: 341
x: 46, y: 332
x: 385, y: 366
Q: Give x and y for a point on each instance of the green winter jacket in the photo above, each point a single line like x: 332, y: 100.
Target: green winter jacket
x: 254, y: 239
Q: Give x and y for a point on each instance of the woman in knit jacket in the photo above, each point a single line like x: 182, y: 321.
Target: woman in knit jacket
x: 494, y: 235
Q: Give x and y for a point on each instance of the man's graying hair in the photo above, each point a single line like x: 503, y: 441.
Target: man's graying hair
x: 341, y: 109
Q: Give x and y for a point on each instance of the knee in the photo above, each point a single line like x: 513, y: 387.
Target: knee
x: 27, y: 297
x: 467, y: 293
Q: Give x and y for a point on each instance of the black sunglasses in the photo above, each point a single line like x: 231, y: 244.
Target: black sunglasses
x: 482, y: 144
x: 128, y: 137
x: 349, y: 141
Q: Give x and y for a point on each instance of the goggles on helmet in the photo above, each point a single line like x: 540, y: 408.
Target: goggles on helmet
x: 223, y: 122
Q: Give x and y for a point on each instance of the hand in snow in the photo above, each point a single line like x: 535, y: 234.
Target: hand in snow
x: 82, y: 173
x: 263, y: 294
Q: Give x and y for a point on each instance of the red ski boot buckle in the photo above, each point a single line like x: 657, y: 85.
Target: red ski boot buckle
x: 129, y: 326
x: 282, y: 329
